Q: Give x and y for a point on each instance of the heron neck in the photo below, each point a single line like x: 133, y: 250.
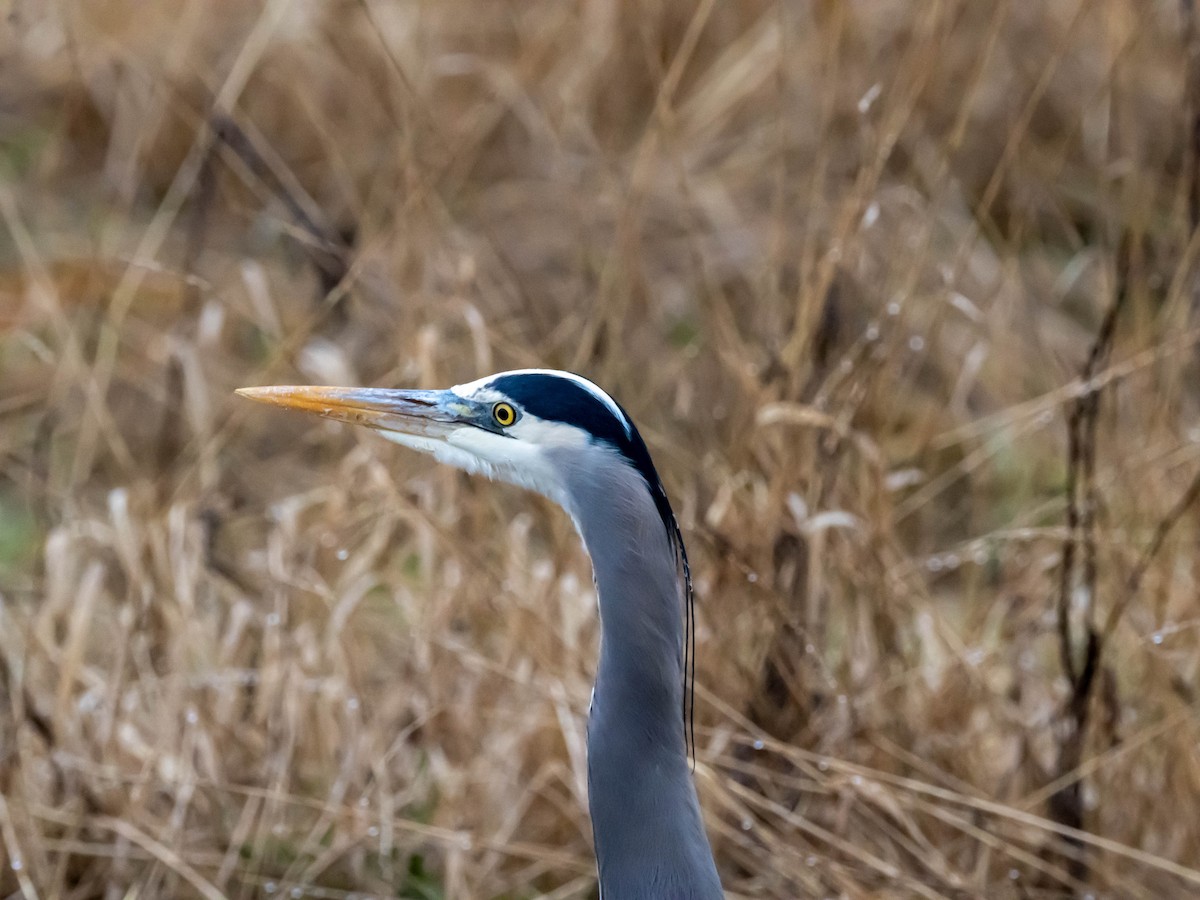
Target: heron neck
x: 639, y: 679
x: 645, y: 815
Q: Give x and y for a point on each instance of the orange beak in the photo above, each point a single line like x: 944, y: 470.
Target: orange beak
x: 423, y: 413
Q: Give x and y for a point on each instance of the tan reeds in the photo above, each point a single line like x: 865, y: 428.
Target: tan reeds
x: 844, y: 264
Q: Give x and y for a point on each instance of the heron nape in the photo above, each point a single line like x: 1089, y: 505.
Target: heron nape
x: 560, y: 435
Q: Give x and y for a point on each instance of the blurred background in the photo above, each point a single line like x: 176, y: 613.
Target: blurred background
x: 903, y: 297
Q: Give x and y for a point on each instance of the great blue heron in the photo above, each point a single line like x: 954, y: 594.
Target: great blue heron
x: 560, y: 435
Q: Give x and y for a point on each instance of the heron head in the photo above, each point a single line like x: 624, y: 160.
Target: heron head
x: 530, y: 427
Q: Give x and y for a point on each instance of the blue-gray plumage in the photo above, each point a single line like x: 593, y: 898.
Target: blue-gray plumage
x: 559, y: 434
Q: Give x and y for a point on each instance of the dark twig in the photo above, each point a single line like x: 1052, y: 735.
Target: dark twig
x: 1082, y: 497
x: 1066, y: 804
x: 328, y: 249
x: 1083, y: 500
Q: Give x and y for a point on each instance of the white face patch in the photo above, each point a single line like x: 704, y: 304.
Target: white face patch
x: 477, y: 390
x: 518, y: 456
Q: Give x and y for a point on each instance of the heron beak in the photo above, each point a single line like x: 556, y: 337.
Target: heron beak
x: 427, y: 414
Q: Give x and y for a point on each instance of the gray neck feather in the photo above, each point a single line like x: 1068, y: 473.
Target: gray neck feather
x: 650, y: 839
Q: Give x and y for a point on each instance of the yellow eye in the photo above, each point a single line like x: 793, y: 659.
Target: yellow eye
x: 504, y: 414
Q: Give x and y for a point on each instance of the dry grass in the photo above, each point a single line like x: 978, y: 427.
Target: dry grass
x: 843, y: 262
